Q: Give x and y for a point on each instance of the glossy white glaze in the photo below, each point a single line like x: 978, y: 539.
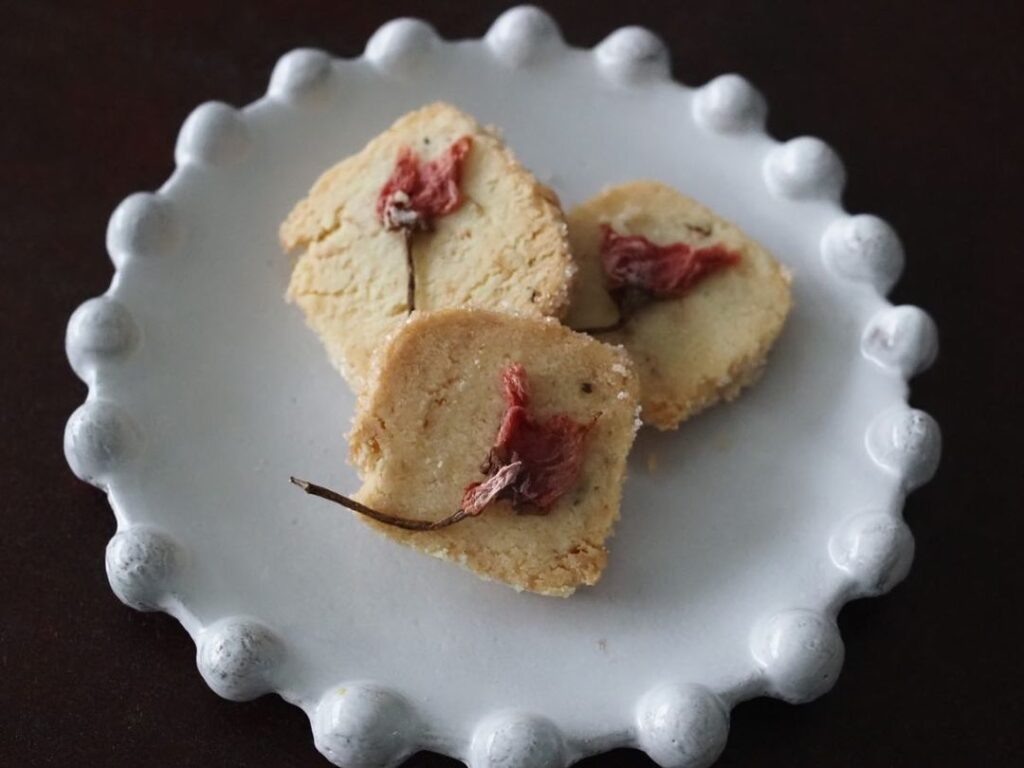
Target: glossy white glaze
x: 298, y: 73
x: 805, y: 168
x: 99, y: 439
x: 864, y: 248
x: 143, y: 226
x: 237, y: 658
x: 523, y: 36
x: 632, y: 55
x: 730, y: 561
x: 213, y: 135
x: 399, y: 47
x: 875, y: 549
x: 100, y: 330
x: 364, y: 725
x: 142, y: 564
x: 682, y: 726
x: 902, y: 339
x: 517, y: 740
x: 800, y: 653
x: 729, y: 104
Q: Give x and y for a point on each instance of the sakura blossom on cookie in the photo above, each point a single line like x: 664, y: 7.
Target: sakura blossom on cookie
x: 416, y: 193
x: 533, y: 464
x: 695, y: 301
x: 434, y: 212
x: 639, y: 271
x: 538, y: 461
x: 515, y: 428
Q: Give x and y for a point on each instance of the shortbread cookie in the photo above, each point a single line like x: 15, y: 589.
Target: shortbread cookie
x: 451, y: 392
x: 496, y: 237
x: 699, y: 347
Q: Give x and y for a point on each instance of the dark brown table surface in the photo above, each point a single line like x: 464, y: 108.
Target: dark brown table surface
x: 921, y: 99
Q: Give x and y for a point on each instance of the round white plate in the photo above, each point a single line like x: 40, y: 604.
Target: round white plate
x: 732, y: 557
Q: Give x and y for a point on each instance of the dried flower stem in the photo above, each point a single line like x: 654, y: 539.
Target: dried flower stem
x: 410, y: 268
x: 405, y: 523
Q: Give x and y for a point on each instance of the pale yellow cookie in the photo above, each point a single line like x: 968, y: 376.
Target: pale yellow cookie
x: 505, y: 248
x: 432, y: 413
x: 693, y: 351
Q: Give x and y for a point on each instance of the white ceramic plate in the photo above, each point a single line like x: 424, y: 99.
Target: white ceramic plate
x: 731, y: 559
